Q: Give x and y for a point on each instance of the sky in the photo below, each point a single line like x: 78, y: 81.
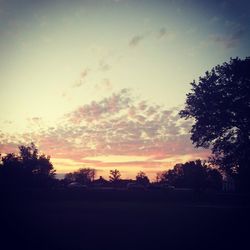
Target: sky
x: 99, y: 84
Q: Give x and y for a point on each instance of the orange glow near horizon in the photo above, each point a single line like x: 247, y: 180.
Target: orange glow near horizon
x: 129, y: 166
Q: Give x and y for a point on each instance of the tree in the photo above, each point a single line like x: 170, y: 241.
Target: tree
x: 83, y: 176
x: 219, y: 105
x: 115, y: 175
x: 27, y: 168
x: 68, y: 178
x: 141, y: 178
x: 158, y: 177
x: 193, y: 174
x: 214, y: 179
x: 174, y: 177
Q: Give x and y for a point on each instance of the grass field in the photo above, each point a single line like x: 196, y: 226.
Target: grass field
x: 77, y: 222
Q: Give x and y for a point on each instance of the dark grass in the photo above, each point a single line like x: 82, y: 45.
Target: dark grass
x: 123, y: 220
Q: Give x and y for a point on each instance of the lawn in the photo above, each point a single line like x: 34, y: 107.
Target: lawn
x: 81, y: 223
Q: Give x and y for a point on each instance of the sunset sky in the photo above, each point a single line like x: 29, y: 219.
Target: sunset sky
x: 99, y: 83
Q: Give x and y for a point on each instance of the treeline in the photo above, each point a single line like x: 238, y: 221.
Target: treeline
x: 194, y: 174
x: 29, y: 169
x: 86, y: 176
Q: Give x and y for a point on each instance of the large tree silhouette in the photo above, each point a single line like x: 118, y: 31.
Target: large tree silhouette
x: 193, y: 174
x: 28, y: 168
x: 219, y: 104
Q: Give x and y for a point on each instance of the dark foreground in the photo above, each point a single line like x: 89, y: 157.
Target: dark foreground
x: 111, y: 219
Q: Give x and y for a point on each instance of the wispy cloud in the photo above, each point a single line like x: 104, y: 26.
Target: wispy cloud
x: 161, y: 33
x: 82, y: 79
x: 104, y: 66
x: 229, y: 41
x: 135, y: 40
x: 35, y: 119
x: 8, y: 122
x: 105, y: 84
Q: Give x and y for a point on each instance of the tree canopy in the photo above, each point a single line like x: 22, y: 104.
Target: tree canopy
x: 28, y: 168
x: 115, y: 175
x: 82, y: 176
x: 194, y: 174
x: 219, y: 104
x: 142, y: 178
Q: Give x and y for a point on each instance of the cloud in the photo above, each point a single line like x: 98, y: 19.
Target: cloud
x: 98, y: 110
x: 130, y: 164
x: 161, y: 33
x: 8, y: 122
x: 104, y: 66
x: 35, y: 120
x: 105, y: 84
x: 82, y: 79
x: 64, y: 94
x: 135, y: 40
x: 7, y: 145
x: 78, y: 83
x: 118, y: 125
x: 230, y: 41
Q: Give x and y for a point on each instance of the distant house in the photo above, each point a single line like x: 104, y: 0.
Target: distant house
x: 101, y: 182
x: 124, y: 182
